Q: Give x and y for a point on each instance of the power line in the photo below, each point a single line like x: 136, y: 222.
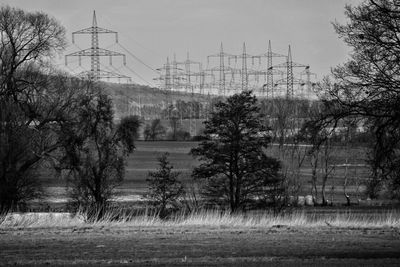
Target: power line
x: 140, y: 77
x: 138, y: 59
x: 152, y: 52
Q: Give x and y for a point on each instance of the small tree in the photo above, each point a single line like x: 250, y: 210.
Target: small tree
x: 164, y: 187
x: 235, y: 168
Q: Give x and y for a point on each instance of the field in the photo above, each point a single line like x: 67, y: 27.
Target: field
x: 207, y: 239
x: 362, y: 235
x: 144, y: 159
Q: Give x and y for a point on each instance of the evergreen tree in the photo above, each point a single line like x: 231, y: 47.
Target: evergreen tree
x: 234, y: 166
x: 164, y: 187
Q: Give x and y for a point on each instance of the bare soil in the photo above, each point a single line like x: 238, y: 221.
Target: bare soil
x: 200, y: 246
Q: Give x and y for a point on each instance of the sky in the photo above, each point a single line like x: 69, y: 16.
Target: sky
x: 152, y: 30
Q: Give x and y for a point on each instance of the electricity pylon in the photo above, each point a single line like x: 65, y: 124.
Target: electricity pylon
x: 309, y: 85
x: 190, y: 89
x: 289, y: 65
x: 221, y: 68
x: 95, y: 52
x: 269, y: 86
x: 243, y: 73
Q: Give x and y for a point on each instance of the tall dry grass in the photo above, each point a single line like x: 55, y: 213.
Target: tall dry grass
x: 205, y: 218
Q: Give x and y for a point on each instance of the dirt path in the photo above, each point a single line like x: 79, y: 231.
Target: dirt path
x: 191, y: 246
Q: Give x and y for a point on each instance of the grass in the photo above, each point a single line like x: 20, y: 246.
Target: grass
x: 206, y: 218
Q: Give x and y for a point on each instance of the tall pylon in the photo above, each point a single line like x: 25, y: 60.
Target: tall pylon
x: 95, y: 52
x: 221, y: 68
x: 175, y: 78
x: 270, y: 71
x: 168, y: 85
x: 190, y: 89
x: 289, y: 74
x: 270, y: 76
x: 245, y: 77
x: 244, y: 71
x: 309, y: 85
x: 189, y: 86
x: 222, y: 71
x: 289, y: 65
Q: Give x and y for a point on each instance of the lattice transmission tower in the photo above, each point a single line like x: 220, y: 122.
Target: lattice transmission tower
x: 95, y: 52
x: 222, y: 69
x: 290, y: 80
x: 244, y: 73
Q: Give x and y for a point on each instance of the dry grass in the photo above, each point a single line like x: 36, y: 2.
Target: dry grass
x: 210, y: 218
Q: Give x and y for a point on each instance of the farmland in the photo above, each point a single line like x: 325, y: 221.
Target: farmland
x: 144, y: 159
x: 204, y: 240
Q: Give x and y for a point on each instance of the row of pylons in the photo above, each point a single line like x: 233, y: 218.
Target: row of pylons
x: 235, y: 73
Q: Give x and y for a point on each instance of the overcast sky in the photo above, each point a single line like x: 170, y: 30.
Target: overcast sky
x: 153, y: 30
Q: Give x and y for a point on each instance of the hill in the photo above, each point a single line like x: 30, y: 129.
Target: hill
x: 144, y: 100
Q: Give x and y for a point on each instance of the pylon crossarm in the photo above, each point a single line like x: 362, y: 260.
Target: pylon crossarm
x: 98, y: 51
x: 270, y: 54
x: 294, y: 64
x: 103, y: 74
x: 93, y: 29
x: 284, y: 81
x: 220, y: 54
x: 299, y: 65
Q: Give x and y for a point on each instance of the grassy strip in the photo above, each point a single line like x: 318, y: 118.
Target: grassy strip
x: 209, y: 218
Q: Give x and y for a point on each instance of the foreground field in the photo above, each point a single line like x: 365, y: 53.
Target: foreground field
x: 200, y: 246
x: 206, y: 239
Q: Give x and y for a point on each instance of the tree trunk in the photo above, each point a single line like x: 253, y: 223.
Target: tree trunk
x: 323, y: 193
x: 314, y: 164
x: 348, y: 202
x: 231, y: 195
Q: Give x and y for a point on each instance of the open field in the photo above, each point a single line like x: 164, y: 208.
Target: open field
x: 144, y: 159
x: 206, y: 239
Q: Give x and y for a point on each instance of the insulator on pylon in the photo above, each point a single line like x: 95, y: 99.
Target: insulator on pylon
x: 116, y: 37
x: 80, y: 61
x: 110, y: 60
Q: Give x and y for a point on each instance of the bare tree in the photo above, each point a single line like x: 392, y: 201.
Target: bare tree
x: 27, y: 40
x: 31, y: 100
x: 367, y: 86
x: 94, y: 150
